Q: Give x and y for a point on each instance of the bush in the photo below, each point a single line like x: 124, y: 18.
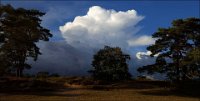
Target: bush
x: 42, y: 74
x: 54, y: 75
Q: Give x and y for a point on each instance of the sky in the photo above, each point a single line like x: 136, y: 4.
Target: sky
x: 81, y: 28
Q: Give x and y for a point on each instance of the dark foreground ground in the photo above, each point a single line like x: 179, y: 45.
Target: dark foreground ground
x: 84, y: 89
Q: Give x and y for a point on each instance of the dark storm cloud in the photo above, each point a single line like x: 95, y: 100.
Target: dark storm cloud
x: 61, y: 58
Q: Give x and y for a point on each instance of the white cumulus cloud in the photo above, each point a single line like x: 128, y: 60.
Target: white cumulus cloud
x: 140, y: 55
x: 141, y: 41
x: 101, y: 27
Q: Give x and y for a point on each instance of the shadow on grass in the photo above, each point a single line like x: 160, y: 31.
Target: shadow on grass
x: 170, y: 92
x: 185, y: 89
x: 60, y: 93
x: 34, y: 87
x: 133, y: 84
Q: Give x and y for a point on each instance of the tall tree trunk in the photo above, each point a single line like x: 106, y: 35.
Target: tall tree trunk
x: 178, y: 69
x: 21, y: 72
x: 178, y: 72
x: 17, y: 73
x: 22, y: 63
x: 184, y: 73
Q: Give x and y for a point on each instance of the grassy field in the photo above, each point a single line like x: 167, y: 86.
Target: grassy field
x: 126, y: 91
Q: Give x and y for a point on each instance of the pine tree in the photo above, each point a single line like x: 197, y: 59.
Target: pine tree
x: 20, y: 31
x: 174, y: 45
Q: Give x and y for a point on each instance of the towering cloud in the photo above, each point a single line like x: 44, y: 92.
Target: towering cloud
x: 88, y: 33
x: 104, y: 27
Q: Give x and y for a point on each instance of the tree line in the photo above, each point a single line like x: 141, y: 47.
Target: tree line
x: 178, y: 48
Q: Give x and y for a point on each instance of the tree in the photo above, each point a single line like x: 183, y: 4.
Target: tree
x: 110, y: 64
x: 191, y: 64
x: 19, y: 32
x: 174, y: 45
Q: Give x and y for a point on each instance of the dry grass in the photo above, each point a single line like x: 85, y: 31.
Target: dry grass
x: 126, y: 91
x: 96, y: 95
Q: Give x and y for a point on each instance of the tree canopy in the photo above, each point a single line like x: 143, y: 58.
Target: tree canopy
x: 178, y: 48
x: 19, y: 32
x: 110, y: 64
